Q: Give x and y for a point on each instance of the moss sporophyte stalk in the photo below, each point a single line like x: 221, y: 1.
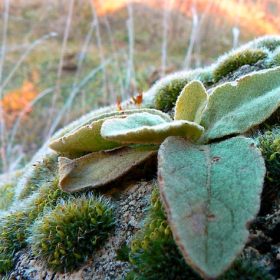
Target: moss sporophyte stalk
x: 199, y: 215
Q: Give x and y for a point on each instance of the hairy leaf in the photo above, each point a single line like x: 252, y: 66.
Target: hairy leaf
x: 210, y: 193
x: 191, y: 102
x: 87, y: 138
x: 148, y: 128
x: 100, y: 168
x: 235, y: 107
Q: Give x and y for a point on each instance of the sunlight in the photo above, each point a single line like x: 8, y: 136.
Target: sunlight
x: 245, y: 14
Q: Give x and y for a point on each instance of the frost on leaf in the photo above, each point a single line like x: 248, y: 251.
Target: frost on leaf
x: 191, y: 102
x: 236, y: 107
x: 86, y: 138
x: 148, y: 128
x: 210, y: 193
x: 100, y: 168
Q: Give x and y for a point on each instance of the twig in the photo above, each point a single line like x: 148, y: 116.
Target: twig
x: 101, y: 52
x: 166, y: 18
x: 130, y: 66
x: 81, y: 59
x: 56, y: 91
x: 23, y: 112
x: 73, y: 93
x: 195, y: 35
x: 25, y: 54
x: 235, y: 29
x: 115, y: 54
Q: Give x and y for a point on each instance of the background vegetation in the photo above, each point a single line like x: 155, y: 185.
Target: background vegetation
x: 61, y: 59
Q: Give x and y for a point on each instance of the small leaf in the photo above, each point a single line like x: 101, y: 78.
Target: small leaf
x: 191, y: 102
x: 87, y: 138
x: 147, y: 128
x: 100, y: 168
x: 210, y: 193
x: 236, y: 107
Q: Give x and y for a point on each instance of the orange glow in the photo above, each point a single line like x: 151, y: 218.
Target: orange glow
x: 108, y: 6
x: 249, y: 16
x: 14, y: 102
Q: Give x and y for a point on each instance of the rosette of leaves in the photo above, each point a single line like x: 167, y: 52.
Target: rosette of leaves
x: 210, y: 187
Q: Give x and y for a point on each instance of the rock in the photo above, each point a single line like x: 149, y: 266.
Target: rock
x: 103, y: 264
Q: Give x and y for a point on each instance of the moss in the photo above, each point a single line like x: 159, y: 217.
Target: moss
x: 271, y: 43
x: 237, y: 59
x: 5, y: 264
x: 47, y: 197
x: 14, y: 226
x: 269, y: 144
x: 203, y: 75
x: 154, y: 254
x: 12, y: 237
x: 7, y: 192
x: 244, y: 269
x: 123, y: 253
x: 7, y: 189
x: 167, y: 94
x: 43, y: 172
x: 168, y: 90
x: 70, y: 233
x: 274, y: 60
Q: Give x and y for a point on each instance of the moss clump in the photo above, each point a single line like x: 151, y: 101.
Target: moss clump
x: 154, y: 254
x: 271, y: 43
x: 243, y: 269
x: 12, y: 237
x: 167, y: 94
x: 203, y: 75
x: 269, y: 144
x: 43, y: 171
x: 70, y: 233
x: 5, y: 263
x: 274, y: 60
x: 7, y: 188
x: 7, y: 192
x: 168, y: 89
x: 14, y: 226
x: 47, y: 197
x: 123, y: 253
x: 235, y: 60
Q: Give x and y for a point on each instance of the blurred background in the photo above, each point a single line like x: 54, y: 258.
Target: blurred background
x: 60, y: 59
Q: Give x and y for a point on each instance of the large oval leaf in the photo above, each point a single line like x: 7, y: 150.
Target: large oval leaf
x: 100, y: 168
x: 235, y: 107
x: 210, y: 193
x: 86, y: 138
x: 147, y: 128
x: 191, y: 102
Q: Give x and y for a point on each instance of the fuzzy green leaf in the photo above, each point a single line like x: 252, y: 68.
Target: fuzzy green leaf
x: 87, y: 138
x: 191, y: 102
x: 147, y: 128
x: 236, y: 107
x: 100, y: 168
x: 210, y: 193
